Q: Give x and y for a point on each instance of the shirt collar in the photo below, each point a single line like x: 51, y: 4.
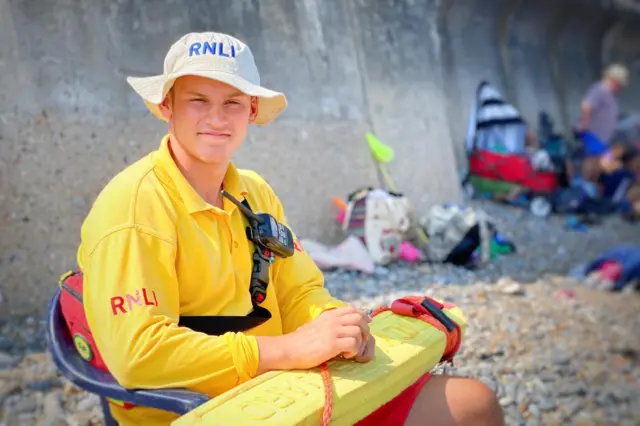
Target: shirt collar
x: 173, y: 177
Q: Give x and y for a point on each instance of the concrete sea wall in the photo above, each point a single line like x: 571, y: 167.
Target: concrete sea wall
x: 406, y: 70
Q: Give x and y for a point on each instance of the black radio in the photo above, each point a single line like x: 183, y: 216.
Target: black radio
x: 270, y: 239
x: 265, y: 230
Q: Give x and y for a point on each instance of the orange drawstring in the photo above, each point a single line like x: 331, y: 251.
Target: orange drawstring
x: 328, y: 394
x: 399, y: 307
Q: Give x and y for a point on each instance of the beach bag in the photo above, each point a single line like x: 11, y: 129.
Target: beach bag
x: 454, y: 232
x: 381, y: 219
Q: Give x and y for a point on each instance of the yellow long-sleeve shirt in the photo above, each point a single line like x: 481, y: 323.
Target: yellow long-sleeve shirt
x: 152, y: 250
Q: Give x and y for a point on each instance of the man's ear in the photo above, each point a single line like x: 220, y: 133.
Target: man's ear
x: 254, y: 109
x: 165, y: 106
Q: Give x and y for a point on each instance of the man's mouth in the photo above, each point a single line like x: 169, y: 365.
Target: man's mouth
x: 215, y: 134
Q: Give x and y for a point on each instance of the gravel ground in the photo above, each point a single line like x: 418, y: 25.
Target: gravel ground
x: 552, y: 360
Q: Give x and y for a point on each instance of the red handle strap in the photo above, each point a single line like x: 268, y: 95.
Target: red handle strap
x: 431, y: 311
x: 424, y: 308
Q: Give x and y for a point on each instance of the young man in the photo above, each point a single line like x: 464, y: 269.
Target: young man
x: 161, y: 244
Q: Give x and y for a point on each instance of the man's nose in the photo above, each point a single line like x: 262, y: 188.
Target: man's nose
x: 216, y: 116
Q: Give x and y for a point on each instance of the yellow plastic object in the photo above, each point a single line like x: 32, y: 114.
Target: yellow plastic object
x: 406, y: 349
x: 382, y: 153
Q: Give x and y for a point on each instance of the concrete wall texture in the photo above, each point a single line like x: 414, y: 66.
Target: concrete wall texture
x: 406, y: 70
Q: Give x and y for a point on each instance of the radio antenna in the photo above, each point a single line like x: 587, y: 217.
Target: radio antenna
x: 242, y: 207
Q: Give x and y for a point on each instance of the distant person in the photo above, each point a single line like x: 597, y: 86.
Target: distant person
x: 616, y: 172
x: 622, y: 186
x: 599, y: 113
x: 632, y: 164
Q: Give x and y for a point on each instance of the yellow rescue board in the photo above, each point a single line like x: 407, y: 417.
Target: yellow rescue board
x: 406, y: 349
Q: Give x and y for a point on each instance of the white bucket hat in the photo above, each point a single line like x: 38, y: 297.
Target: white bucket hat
x: 216, y: 56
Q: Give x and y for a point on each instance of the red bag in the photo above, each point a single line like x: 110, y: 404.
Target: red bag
x: 72, y: 307
x: 71, y: 304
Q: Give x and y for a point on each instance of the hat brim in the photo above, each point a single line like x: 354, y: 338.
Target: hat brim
x: 154, y: 89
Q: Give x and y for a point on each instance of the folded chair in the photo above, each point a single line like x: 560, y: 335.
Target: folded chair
x: 82, y: 374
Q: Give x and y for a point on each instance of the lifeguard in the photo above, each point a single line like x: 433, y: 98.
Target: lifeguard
x: 165, y: 258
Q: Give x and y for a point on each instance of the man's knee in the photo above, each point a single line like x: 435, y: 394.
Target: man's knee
x: 482, y: 403
x: 450, y: 400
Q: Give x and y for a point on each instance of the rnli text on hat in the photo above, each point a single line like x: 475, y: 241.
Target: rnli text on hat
x: 194, y: 49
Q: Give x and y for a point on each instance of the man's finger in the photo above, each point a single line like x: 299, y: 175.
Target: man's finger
x: 349, y: 346
x: 341, y: 311
x: 354, y: 318
x: 357, y: 320
x: 349, y: 331
x: 363, y: 348
x: 346, y: 310
x: 368, y: 351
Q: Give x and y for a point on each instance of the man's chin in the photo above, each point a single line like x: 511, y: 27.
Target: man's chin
x: 215, y: 155
x: 214, y: 160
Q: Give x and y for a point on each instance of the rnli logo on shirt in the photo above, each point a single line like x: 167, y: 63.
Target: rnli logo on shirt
x: 128, y: 302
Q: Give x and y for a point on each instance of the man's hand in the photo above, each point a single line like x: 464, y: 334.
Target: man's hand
x: 341, y: 331
x: 609, y: 165
x: 367, y: 351
x: 585, y: 116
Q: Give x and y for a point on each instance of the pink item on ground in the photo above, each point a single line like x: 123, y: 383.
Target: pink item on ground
x: 340, y: 217
x: 409, y: 252
x: 610, y: 270
x: 566, y: 294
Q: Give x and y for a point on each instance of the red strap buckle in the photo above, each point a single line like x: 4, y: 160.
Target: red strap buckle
x: 414, y: 306
x: 417, y: 307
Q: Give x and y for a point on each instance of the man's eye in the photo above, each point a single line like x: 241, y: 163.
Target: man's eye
x: 233, y: 102
x: 197, y: 100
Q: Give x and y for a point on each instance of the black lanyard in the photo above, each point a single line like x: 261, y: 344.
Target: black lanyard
x: 216, y: 324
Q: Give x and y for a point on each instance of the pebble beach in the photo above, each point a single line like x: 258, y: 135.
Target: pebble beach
x: 554, y: 351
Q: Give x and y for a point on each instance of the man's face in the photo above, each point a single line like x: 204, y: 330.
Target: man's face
x: 208, y: 118
x: 616, y: 86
